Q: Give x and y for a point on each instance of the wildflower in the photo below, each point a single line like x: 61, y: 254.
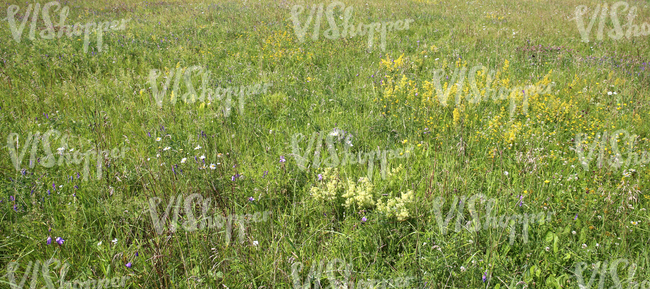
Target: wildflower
x: 202, y: 157
x: 233, y: 178
x: 547, y: 249
x: 573, y: 232
x: 166, y: 148
x: 462, y: 269
x: 183, y: 160
x: 213, y: 166
x: 320, y: 177
x: 484, y: 276
x: 114, y: 241
x: 100, y: 243
x: 59, y: 240
x: 11, y: 198
x: 197, y: 147
x: 219, y: 155
x: 255, y: 243
x: 128, y: 265
x: 251, y: 199
x: 136, y: 254
x: 547, y: 181
x: 575, y: 217
x: 49, y: 240
x: 584, y: 246
x: 158, y: 139
x: 634, y: 223
x: 505, y: 173
x: 520, y: 200
x: 364, y: 219
x: 282, y: 160
x: 265, y: 172
x: 609, y: 93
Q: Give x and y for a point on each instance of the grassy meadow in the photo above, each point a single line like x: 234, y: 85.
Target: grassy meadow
x: 368, y: 99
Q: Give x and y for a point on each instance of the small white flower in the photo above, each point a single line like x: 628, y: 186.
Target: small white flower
x: 148, y: 159
x: 183, y: 160
x: 462, y: 269
x: 573, y: 232
x: 100, y: 243
x: 158, y: 139
x: 471, y: 242
x: 597, y: 245
x: 202, y: 157
x: 609, y: 93
x: 157, y: 155
x: 547, y: 249
x: 584, y: 246
x: 634, y: 223
x: 505, y: 173
x: 197, y: 147
x: 166, y: 148
x: 114, y: 241
x: 213, y: 166
x: 255, y: 243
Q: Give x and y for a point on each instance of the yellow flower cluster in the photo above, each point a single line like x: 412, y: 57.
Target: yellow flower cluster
x: 397, y: 206
x: 329, y: 186
x: 360, y: 194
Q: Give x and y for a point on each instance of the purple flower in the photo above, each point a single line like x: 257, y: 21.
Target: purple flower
x: 251, y: 199
x: 15, y: 208
x: 320, y: 177
x: 149, y: 134
x: 128, y: 265
x: 364, y: 219
x: 54, y: 186
x: 136, y: 254
x: 520, y: 200
x: 59, y: 240
x: 265, y: 172
x: 484, y: 276
x: 11, y: 198
x: 575, y: 217
x: 282, y: 160
x: 48, y: 192
x: 233, y: 178
x: 49, y: 240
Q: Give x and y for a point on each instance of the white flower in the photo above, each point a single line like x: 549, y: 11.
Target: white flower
x: 114, y: 241
x: 584, y: 246
x: 157, y: 155
x: 213, y: 166
x: 183, y: 160
x: 634, y: 223
x: 166, y: 149
x: 158, y: 139
x: 197, y: 147
x: 547, y: 248
x: 505, y: 173
x: 100, y: 243
x: 255, y: 243
x: 462, y: 269
x: 60, y: 150
x: 202, y: 157
x: 609, y: 93
x: 573, y: 232
x: 597, y: 245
